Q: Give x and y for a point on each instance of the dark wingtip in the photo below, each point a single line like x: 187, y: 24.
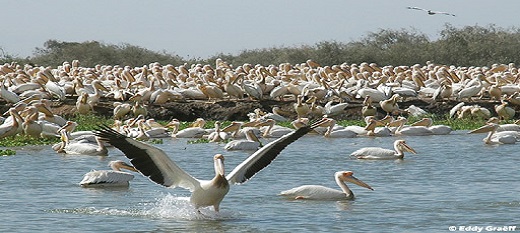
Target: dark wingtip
x: 105, y: 132
x: 317, y: 123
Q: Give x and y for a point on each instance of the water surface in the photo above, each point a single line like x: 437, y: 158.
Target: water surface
x: 454, y: 180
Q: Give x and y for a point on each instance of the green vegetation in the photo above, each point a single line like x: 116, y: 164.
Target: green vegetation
x: 91, y: 121
x: 7, y: 152
x: 466, y: 46
x: 198, y: 140
x: 23, y: 140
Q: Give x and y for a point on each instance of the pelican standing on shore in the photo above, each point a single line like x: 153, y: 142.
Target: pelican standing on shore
x: 156, y: 165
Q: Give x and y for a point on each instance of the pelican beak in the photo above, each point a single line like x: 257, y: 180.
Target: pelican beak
x: 355, y: 180
x: 408, y: 148
x: 129, y: 167
x: 171, y: 124
x: 483, y: 129
x: 264, y: 123
x: 100, y: 86
x: 486, y: 81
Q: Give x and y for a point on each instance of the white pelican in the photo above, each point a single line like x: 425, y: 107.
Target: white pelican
x: 271, y: 130
x: 471, y: 90
x: 494, y: 137
x: 217, y: 135
x: 430, y: 12
x: 411, y: 130
x: 234, y: 128
x: 195, y: 131
x: 301, y: 108
x: 504, y: 112
x: 332, y: 110
x: 372, y: 130
x: 250, y: 143
x: 275, y: 115
x: 400, y: 147
x: 121, y: 109
x: 456, y: 109
x: 415, y: 111
x: 390, y: 106
x: 434, y: 129
x: 336, y: 131
x: 48, y: 115
x: 156, y: 165
x: 31, y: 126
x: 10, y: 128
x: 139, y: 109
x: 374, y: 94
x: 318, y: 192
x: 114, y: 177
x: 81, y: 104
x: 368, y: 109
x: 504, y: 127
x: 9, y: 96
x: 81, y: 147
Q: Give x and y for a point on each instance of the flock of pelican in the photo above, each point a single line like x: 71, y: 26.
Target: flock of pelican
x: 320, y: 94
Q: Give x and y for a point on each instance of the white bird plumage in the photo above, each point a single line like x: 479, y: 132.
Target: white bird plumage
x: 400, y: 147
x: 156, y: 165
x: 430, y: 12
x: 494, y: 137
x: 109, y: 178
x: 250, y: 143
x: 81, y: 147
x: 319, y: 192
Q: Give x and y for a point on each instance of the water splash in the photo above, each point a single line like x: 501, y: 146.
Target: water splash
x: 164, y: 207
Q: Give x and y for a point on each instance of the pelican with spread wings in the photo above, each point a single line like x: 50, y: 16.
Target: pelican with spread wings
x: 430, y: 12
x: 161, y: 169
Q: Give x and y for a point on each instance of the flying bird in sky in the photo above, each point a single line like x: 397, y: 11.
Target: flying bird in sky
x: 430, y: 12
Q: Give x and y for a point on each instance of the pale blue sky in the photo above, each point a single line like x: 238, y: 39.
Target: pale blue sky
x: 199, y: 29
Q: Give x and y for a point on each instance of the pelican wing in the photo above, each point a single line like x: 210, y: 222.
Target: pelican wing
x: 265, y: 155
x: 149, y: 160
x: 416, y: 8
x: 373, y: 152
x: 442, y: 12
x: 455, y: 109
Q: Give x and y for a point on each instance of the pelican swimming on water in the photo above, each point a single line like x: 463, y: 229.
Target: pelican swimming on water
x: 114, y: 177
x: 156, y: 165
x: 250, y: 143
x: 494, y: 137
x: 318, y: 192
x: 400, y: 147
x: 81, y: 147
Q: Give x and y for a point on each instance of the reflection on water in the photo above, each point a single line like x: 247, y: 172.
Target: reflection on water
x: 453, y: 180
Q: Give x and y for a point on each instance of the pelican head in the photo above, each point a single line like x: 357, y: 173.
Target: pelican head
x: 493, y: 120
x: 117, y: 165
x: 402, y: 146
x: 348, y: 176
x: 219, y: 164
